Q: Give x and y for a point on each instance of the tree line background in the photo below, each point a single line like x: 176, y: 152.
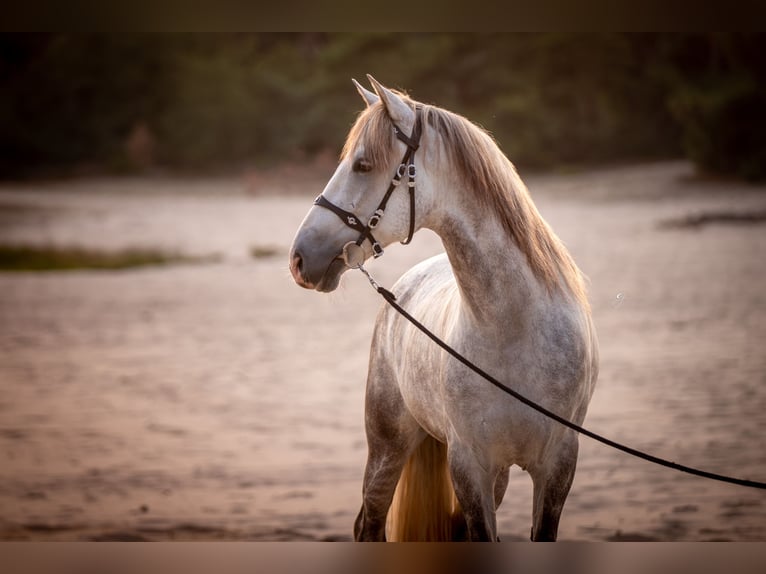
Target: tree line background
x: 213, y: 102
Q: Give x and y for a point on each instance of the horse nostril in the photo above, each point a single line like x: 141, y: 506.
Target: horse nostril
x: 296, y: 266
x: 298, y: 262
x: 297, y: 269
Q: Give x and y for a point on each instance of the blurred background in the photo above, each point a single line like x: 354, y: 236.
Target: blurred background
x: 130, y: 103
x: 161, y: 376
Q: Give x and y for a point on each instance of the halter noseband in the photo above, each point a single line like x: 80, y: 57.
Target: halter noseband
x: 407, y: 166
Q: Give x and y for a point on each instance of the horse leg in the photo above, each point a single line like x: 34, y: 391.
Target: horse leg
x: 475, y: 490
x: 552, y: 482
x: 385, y: 462
x: 380, y: 478
x: 392, y: 435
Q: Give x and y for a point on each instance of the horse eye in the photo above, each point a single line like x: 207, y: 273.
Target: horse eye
x: 361, y: 165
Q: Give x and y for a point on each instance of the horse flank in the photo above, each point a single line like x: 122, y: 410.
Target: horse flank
x: 492, y: 179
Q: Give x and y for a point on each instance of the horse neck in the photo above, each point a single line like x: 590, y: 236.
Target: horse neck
x: 497, y: 286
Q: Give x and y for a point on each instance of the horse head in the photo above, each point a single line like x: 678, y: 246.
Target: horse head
x: 347, y: 206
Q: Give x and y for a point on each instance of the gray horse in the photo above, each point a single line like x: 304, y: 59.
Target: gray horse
x: 506, y: 294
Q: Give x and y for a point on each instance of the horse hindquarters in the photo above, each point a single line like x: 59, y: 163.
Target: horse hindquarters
x: 407, y: 490
x: 399, y: 452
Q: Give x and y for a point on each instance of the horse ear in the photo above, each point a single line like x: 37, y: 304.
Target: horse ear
x: 366, y: 94
x: 397, y: 110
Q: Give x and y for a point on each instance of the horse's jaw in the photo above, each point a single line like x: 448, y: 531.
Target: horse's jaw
x: 331, y: 278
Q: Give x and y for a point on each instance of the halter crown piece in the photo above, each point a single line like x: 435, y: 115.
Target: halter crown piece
x: 406, y: 166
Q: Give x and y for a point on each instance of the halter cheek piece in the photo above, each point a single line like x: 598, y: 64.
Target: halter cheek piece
x: 407, y: 166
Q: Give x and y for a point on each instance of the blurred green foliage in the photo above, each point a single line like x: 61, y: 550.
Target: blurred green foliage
x: 719, y: 100
x: 216, y: 101
x: 51, y: 258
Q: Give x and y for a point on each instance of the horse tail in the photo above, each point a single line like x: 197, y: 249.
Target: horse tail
x: 424, y: 507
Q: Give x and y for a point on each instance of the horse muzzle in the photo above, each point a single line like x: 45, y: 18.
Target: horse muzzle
x: 316, y: 269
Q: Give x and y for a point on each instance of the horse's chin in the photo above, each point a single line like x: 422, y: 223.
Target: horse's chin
x: 331, y: 278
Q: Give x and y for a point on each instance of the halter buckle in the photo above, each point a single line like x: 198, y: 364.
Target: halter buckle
x: 377, y: 250
x: 401, y: 170
x: 375, y: 219
x: 411, y: 171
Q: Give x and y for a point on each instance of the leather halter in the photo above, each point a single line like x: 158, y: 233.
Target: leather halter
x: 407, y: 166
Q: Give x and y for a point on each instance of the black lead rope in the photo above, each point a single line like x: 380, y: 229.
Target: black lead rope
x: 391, y: 300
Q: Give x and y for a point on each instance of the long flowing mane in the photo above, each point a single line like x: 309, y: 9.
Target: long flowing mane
x: 492, y: 179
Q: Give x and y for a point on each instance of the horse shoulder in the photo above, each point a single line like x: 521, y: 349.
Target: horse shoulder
x: 566, y: 356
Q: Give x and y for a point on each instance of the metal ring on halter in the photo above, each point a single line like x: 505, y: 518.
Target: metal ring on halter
x: 353, y: 255
x: 401, y: 170
x: 375, y: 219
x: 377, y: 250
x: 411, y: 175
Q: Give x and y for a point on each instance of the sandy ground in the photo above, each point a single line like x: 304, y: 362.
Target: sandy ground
x: 220, y: 401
